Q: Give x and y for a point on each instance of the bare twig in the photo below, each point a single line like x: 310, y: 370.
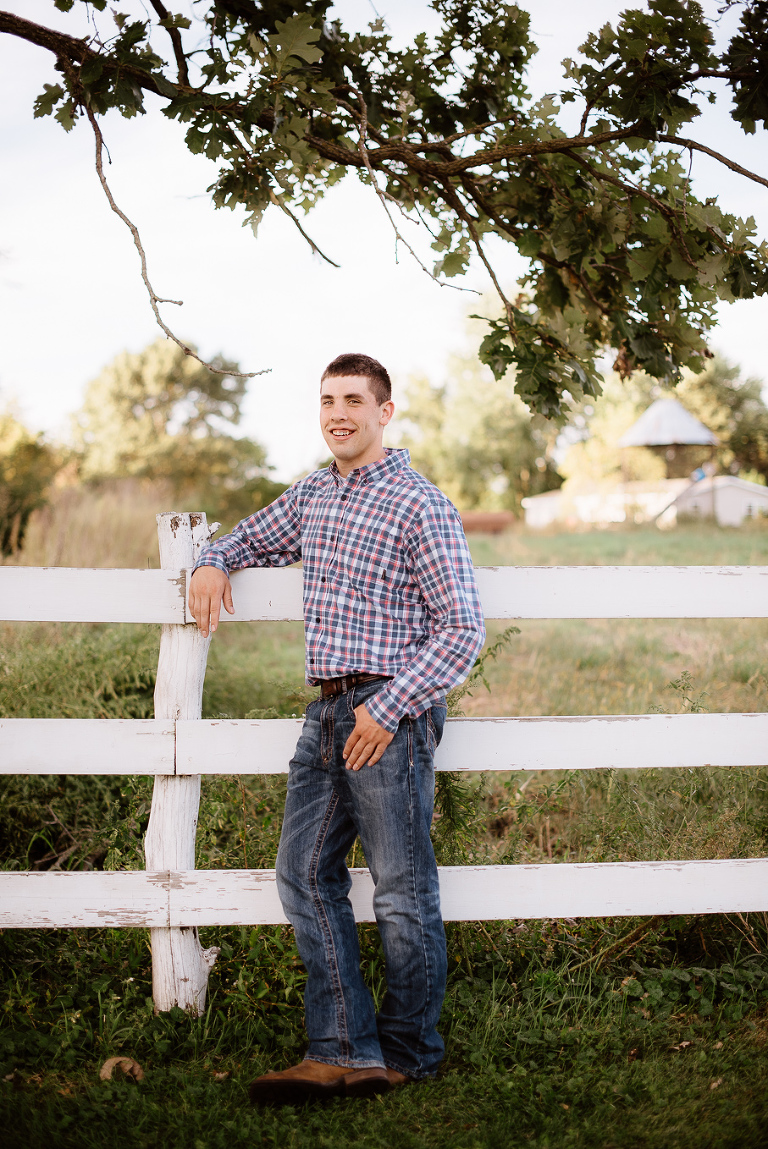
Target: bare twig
x: 692, y: 144
x: 627, y: 942
x: 56, y: 858
x: 476, y: 130
x: 479, y: 249
x: 747, y: 939
x: 493, y: 945
x: 280, y: 202
x: 175, y: 35
x: 687, y: 184
x: 153, y: 298
x: 454, y: 200
x: 363, y: 128
x: 241, y: 784
x: 57, y: 820
x: 583, y: 125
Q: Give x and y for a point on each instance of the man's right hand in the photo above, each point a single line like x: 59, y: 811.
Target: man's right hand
x: 208, y: 588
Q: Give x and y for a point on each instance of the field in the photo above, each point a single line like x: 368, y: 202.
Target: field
x: 594, y: 1033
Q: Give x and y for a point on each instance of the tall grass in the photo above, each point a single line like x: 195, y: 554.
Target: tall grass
x: 109, y: 525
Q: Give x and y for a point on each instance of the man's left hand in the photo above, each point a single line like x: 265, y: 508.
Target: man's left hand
x: 367, y: 742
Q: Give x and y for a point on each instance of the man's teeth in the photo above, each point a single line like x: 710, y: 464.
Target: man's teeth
x: 340, y: 434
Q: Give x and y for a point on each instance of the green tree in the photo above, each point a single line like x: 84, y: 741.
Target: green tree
x: 27, y: 466
x: 735, y: 410
x: 477, y: 440
x: 159, y: 414
x: 730, y: 406
x: 621, y: 253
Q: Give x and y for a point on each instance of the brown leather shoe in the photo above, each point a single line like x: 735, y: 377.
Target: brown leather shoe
x: 396, y: 1078
x: 314, y: 1080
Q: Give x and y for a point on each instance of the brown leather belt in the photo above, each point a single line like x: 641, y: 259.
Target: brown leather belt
x: 330, y: 687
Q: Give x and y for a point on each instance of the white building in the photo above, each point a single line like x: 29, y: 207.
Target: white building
x: 725, y: 498
x: 600, y: 504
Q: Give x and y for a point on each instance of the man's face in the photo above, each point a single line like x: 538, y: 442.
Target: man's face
x: 352, y: 421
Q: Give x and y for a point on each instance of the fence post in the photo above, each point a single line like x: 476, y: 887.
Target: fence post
x: 180, y: 966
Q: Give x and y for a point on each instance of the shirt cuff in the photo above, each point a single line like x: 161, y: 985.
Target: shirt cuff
x: 211, y: 560
x: 382, y: 711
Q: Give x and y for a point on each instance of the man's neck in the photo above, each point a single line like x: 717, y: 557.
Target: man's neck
x: 345, y: 467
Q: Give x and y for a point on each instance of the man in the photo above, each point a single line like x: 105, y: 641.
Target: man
x: 392, y: 621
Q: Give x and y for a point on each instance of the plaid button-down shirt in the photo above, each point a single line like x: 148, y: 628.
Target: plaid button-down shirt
x: 388, y: 581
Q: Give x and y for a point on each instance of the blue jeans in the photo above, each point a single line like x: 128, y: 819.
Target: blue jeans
x: 389, y: 806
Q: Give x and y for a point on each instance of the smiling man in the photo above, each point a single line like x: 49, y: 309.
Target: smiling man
x: 392, y: 621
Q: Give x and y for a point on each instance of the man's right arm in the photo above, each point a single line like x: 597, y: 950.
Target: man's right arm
x: 269, y: 538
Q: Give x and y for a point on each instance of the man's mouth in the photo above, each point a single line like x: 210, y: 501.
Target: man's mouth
x: 341, y: 432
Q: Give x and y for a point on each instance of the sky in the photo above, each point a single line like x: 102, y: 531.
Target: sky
x: 71, y: 297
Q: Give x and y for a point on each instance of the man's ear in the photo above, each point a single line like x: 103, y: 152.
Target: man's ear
x: 387, y: 411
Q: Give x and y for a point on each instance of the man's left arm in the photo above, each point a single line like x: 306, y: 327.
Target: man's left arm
x: 442, y: 568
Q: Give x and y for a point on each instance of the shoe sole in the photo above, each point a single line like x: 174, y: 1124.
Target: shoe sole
x: 297, y: 1092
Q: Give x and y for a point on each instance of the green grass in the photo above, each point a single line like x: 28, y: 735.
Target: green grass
x: 600, y: 1033
x: 665, y: 1046
x: 690, y: 544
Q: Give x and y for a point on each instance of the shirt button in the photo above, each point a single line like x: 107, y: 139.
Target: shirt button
x: 317, y: 618
x: 322, y: 579
x: 343, y: 498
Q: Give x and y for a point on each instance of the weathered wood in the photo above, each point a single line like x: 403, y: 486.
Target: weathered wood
x: 262, y: 593
x: 193, y: 898
x: 180, y: 966
x: 146, y: 746
x: 58, y: 594
x: 72, y: 898
x: 72, y: 594
x: 624, y: 742
x: 620, y: 741
x: 86, y: 746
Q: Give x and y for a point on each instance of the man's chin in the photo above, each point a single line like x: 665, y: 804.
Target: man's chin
x: 344, y: 450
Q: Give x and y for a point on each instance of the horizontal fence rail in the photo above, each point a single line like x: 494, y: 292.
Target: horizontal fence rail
x: 223, y: 746
x: 467, y: 893
x: 87, y: 746
x: 179, y: 749
x: 625, y: 742
x: 69, y: 594
x: 59, y: 594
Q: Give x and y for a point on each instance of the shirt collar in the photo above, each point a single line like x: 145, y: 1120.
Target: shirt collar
x: 395, y: 459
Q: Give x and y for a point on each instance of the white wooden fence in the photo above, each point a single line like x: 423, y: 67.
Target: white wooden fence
x: 177, y: 747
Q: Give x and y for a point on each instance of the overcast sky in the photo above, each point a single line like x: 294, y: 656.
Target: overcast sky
x: 71, y: 297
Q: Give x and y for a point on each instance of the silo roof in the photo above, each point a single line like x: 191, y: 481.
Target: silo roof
x: 667, y: 423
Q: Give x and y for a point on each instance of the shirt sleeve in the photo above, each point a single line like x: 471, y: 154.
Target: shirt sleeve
x: 269, y: 538
x: 437, y: 552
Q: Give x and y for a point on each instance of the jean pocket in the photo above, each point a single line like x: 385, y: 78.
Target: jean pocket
x: 361, y: 695
x: 435, y: 723
x: 308, y: 750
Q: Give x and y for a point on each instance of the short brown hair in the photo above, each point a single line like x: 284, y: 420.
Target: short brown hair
x: 355, y: 364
